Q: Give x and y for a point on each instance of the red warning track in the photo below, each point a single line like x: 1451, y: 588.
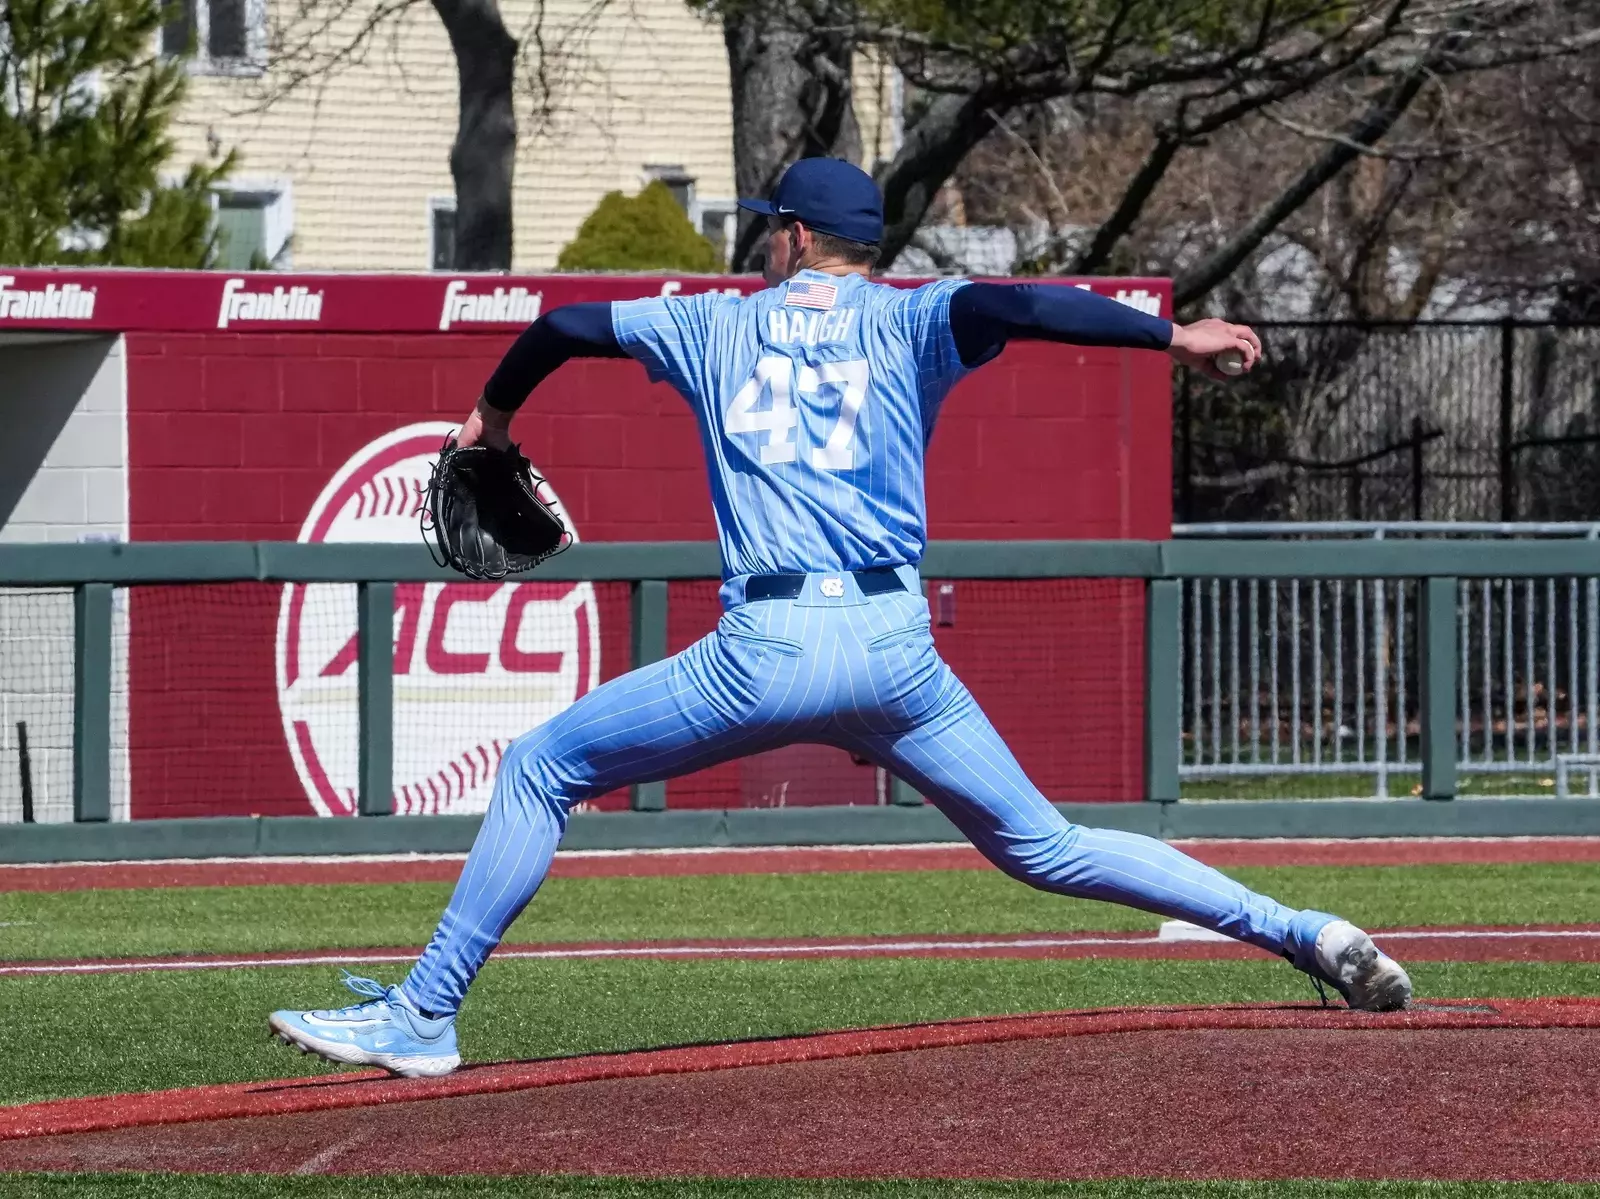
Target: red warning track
x: 1470, y: 1089
x: 1401, y: 851
x: 1552, y: 943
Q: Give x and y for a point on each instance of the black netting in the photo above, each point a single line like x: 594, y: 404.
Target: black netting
x: 205, y: 734
x: 241, y: 698
x: 244, y: 695
x: 1057, y: 664
x: 35, y: 704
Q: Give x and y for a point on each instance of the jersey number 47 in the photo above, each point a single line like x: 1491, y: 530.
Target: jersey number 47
x: 778, y: 423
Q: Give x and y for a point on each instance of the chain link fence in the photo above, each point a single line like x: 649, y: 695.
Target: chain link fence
x: 1426, y: 421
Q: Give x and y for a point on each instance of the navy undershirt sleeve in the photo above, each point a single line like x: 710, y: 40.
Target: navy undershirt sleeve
x: 571, y: 331
x: 984, y: 316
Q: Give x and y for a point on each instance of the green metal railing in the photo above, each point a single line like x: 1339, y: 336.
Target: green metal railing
x: 94, y: 570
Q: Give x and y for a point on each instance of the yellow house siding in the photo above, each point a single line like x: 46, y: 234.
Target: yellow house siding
x: 877, y: 103
x: 365, y: 148
x: 652, y: 88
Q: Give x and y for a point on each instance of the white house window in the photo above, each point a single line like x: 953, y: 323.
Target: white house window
x: 717, y: 220
x: 714, y: 219
x: 221, y: 37
x: 679, y: 182
x: 255, y: 225
x: 441, y: 233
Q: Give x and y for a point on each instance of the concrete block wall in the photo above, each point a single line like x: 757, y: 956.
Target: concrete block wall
x: 232, y: 436
x: 65, y: 404
x: 63, y: 477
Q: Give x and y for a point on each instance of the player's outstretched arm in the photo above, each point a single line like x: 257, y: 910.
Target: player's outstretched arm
x: 1203, y: 345
x: 571, y: 331
x: 984, y: 316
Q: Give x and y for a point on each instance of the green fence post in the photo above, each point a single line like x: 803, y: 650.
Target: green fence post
x: 1161, y: 681
x: 91, y: 702
x: 375, y: 675
x: 1437, y: 614
x: 649, y: 645
x: 903, y: 793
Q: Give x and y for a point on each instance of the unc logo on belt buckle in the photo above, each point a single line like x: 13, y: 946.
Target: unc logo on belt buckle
x: 833, y: 588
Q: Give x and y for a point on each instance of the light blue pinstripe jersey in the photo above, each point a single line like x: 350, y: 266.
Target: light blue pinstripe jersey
x: 816, y: 400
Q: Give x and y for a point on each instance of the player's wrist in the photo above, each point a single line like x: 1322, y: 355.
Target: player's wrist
x: 492, y: 417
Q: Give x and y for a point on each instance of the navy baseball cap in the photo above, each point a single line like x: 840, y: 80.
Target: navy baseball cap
x: 830, y: 196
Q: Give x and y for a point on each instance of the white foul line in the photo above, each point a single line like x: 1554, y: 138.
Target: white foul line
x: 764, y: 949
x: 882, y: 948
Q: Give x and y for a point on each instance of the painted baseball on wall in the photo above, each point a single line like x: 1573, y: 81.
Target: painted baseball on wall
x: 475, y: 664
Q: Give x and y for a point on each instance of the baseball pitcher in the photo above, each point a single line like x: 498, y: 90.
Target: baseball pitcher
x: 815, y: 400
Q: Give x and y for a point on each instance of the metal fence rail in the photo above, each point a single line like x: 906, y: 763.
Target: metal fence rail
x: 1321, y: 677
x: 1277, y: 678
x: 1314, y: 677
x: 194, y: 591
x: 1383, y: 657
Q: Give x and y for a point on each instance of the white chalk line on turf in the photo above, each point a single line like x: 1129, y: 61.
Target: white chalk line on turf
x: 882, y: 948
x: 759, y: 949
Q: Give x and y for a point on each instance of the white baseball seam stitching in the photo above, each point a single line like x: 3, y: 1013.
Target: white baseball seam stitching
x: 451, y: 784
x: 395, y: 497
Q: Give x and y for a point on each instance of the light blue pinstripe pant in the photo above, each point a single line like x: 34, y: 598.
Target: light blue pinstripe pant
x: 859, y: 673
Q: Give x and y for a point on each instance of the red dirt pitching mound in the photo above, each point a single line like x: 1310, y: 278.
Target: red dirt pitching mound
x: 1343, y: 1096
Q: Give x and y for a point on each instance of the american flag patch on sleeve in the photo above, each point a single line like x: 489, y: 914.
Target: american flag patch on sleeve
x: 806, y: 294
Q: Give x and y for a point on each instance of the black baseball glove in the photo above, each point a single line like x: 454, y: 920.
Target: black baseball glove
x: 486, y: 515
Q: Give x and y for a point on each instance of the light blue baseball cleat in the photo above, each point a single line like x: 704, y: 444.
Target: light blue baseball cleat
x: 383, y: 1030
x: 1336, y: 952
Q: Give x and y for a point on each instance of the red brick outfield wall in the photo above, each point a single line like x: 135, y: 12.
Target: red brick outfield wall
x: 236, y: 423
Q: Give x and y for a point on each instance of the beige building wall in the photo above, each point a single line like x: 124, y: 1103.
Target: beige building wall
x: 365, y: 151
x: 880, y: 99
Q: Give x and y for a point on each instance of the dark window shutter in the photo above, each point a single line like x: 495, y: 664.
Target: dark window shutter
x: 177, y: 35
x: 227, y: 38
x: 444, y: 239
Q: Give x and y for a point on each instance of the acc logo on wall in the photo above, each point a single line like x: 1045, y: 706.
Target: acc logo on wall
x: 475, y: 664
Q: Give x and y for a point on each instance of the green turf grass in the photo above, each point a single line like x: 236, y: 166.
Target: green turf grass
x: 94, y: 1034
x: 247, y: 1186
x: 264, y: 919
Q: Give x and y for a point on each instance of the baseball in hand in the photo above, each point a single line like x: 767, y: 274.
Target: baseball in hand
x: 1230, y: 362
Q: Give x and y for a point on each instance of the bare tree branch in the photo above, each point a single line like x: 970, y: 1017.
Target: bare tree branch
x: 931, y: 151
x: 1387, y: 153
x: 1170, y: 139
x: 1058, y: 201
x: 1134, y: 197
x: 1377, y: 120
